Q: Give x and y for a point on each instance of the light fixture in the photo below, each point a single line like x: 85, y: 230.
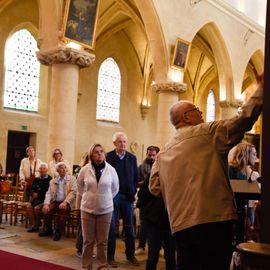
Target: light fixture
x: 74, y: 45
x: 176, y: 75
x: 247, y: 36
x: 145, y: 106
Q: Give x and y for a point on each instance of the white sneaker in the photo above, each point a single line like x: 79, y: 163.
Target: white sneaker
x: 139, y: 251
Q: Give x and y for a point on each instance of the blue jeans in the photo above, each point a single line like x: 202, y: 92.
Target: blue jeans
x: 121, y: 204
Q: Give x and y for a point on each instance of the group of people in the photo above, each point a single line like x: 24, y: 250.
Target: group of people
x: 47, y: 194
x: 103, y: 188
x: 185, y: 199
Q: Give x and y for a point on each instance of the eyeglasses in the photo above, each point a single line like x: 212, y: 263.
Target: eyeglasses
x: 193, y: 109
x: 56, y: 153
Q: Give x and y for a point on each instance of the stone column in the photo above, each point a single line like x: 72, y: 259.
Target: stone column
x: 65, y: 64
x: 229, y: 109
x: 168, y: 94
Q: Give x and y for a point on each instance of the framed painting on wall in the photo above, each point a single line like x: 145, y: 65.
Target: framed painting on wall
x: 79, y: 22
x: 180, y: 54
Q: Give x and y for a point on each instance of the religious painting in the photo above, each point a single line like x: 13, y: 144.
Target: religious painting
x: 79, y: 22
x: 181, y: 53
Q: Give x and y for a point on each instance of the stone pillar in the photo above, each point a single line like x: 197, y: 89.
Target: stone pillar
x: 65, y: 63
x: 168, y: 94
x: 229, y: 109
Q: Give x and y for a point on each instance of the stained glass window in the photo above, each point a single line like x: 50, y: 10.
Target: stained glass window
x: 109, y: 88
x: 210, y: 107
x: 21, y: 72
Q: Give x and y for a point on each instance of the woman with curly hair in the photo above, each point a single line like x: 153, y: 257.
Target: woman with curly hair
x: 243, y: 158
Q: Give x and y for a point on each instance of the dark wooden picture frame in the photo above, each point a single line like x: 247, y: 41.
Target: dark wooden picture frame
x: 181, y: 54
x: 80, y: 21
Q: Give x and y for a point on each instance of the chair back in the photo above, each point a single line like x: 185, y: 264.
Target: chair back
x: 20, y: 190
x: 6, y: 189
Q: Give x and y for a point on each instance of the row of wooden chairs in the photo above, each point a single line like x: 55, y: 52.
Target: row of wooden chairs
x: 12, y: 204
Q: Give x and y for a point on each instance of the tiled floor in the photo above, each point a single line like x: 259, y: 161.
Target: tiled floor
x: 15, y: 239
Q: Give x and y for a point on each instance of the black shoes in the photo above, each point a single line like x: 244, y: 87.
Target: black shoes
x: 57, y: 235
x: 33, y: 229
x: 112, y: 263
x: 46, y: 232
x: 133, y: 261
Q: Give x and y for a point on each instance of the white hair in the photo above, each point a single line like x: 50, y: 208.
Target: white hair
x: 43, y: 164
x: 119, y: 134
x: 59, y: 164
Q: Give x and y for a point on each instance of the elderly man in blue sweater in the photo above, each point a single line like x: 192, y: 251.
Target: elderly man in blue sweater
x: 125, y: 165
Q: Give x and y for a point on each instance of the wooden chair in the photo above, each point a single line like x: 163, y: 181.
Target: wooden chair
x: 7, y: 200
x: 12, y: 204
x: 20, y: 208
x: 72, y: 222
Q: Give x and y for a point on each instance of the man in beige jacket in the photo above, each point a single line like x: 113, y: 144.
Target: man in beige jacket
x: 60, y: 199
x: 191, y: 174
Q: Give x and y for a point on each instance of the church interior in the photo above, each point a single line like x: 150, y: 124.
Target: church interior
x: 66, y: 87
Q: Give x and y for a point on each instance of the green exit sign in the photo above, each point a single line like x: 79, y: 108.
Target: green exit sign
x: 24, y: 127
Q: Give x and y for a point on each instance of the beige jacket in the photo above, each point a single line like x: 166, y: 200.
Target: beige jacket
x: 25, y: 168
x: 191, y: 173
x: 70, y: 191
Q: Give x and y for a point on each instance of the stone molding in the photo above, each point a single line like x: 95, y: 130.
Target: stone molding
x: 65, y: 55
x: 231, y: 104
x: 169, y: 87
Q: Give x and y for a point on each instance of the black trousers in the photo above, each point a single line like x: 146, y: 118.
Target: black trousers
x: 157, y: 237
x: 206, y: 246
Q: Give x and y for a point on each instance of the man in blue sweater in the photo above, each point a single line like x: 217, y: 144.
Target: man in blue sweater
x: 125, y: 165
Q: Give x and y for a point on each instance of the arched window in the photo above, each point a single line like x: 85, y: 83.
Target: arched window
x: 210, y: 107
x: 21, y: 72
x: 109, y: 88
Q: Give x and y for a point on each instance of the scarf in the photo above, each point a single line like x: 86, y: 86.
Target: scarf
x: 98, y: 169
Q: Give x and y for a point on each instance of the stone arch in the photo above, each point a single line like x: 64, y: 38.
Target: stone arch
x: 25, y: 25
x: 156, y: 39
x: 256, y: 61
x: 221, y: 57
x: 249, y: 83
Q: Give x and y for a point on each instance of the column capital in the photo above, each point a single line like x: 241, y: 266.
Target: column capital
x: 169, y: 87
x: 230, y: 104
x: 65, y: 55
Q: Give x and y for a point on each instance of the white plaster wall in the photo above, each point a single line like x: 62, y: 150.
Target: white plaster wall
x: 180, y: 19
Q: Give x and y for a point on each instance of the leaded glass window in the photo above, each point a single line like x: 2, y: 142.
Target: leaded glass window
x: 210, y: 107
x: 21, y: 72
x: 109, y: 88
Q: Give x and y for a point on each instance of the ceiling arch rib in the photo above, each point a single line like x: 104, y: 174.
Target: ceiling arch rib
x: 107, y: 16
x: 4, y: 4
x: 114, y: 29
x: 198, y: 73
x: 201, y: 43
x: 123, y: 16
x: 140, y: 61
x: 132, y: 14
x: 114, y: 12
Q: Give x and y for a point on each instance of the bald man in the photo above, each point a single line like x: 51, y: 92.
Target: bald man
x: 191, y: 174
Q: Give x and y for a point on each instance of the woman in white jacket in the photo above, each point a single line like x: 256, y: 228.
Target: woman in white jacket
x: 97, y: 185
